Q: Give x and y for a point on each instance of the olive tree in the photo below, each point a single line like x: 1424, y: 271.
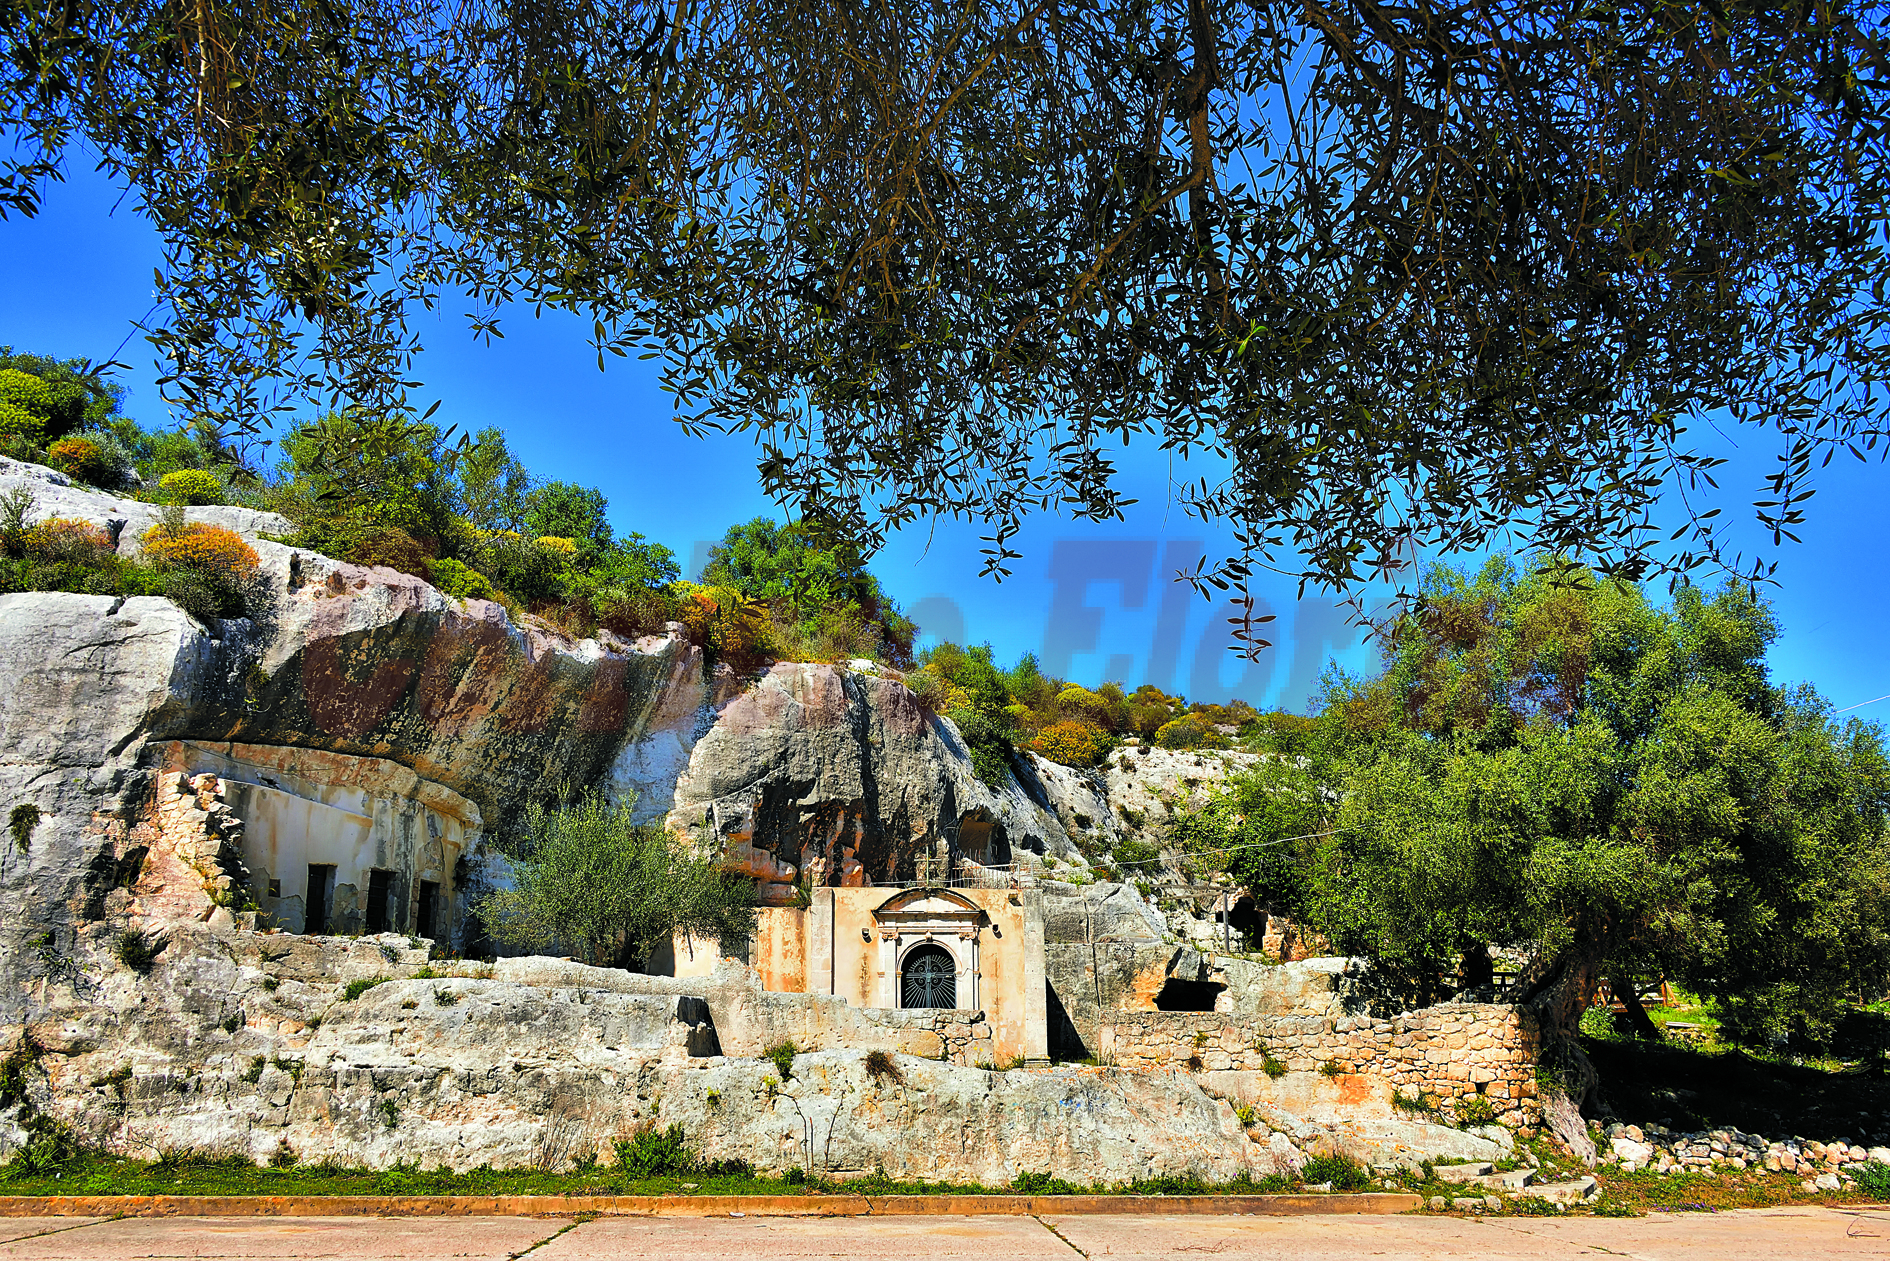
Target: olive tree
x: 1423, y: 274
x: 1550, y: 764
x: 591, y: 880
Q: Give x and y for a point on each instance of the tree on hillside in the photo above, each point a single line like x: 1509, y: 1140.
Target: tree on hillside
x: 590, y: 879
x: 1425, y: 275
x: 825, y: 601
x: 1550, y: 763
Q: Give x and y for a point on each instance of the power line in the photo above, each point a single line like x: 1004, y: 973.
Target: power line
x: 1225, y: 849
x: 1860, y: 704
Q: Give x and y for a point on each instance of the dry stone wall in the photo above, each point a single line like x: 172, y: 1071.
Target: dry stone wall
x: 1450, y: 1055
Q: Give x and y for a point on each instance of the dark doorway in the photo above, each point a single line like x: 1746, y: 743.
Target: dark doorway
x: 321, y: 887
x: 1248, y: 922
x: 424, y: 912
x: 1179, y: 995
x: 380, y: 889
x: 929, y: 979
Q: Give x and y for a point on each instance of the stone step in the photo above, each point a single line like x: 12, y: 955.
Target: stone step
x: 1463, y: 1173
x: 1514, y: 1180
x: 1577, y: 1192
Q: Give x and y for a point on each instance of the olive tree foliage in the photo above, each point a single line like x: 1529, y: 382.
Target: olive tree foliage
x: 589, y: 879
x: 1432, y: 274
x: 1614, y: 789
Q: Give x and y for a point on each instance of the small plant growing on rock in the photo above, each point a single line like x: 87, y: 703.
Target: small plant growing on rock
x: 444, y: 998
x: 783, y: 1053
x: 1272, y: 1067
x: 1331, y: 1068
x: 1420, y: 1106
x: 1477, y: 1111
x: 1195, y: 1064
x: 879, y: 1065
x: 270, y: 984
x: 232, y: 1022
x: 1245, y: 1114
x: 136, y: 951
x: 390, y: 1114
x: 20, y: 824
x: 284, y: 1156
x: 354, y: 989
x: 254, y: 1072
x: 713, y: 1098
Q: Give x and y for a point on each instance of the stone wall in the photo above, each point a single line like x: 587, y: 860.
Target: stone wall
x: 1449, y: 1055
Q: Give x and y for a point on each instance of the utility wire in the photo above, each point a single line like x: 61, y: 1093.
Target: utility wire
x: 1860, y: 704
x: 1224, y: 849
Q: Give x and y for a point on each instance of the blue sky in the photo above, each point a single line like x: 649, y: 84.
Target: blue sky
x: 1094, y: 601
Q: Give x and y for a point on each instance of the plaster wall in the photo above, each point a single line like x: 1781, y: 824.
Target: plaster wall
x: 305, y: 807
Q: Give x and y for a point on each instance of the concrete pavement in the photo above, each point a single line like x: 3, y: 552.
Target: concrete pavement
x: 1788, y: 1234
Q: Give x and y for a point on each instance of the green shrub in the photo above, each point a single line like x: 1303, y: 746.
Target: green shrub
x: 783, y: 1053
x: 1873, y: 1179
x: 1331, y: 1068
x: 1188, y: 732
x: 1272, y: 1067
x: 651, y: 1153
x: 611, y: 890
x: 192, y: 487
x: 1043, y: 1184
x: 354, y: 989
x: 454, y: 578
x: 1340, y: 1172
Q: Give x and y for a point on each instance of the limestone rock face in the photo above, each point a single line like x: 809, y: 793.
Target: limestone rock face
x: 244, y: 1042
x: 341, y: 664
x: 839, y: 777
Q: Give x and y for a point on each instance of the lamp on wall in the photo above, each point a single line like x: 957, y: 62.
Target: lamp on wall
x: 866, y: 935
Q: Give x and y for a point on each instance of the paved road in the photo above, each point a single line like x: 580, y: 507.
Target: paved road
x: 1772, y: 1234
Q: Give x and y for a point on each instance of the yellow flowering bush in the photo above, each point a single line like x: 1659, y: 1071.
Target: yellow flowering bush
x: 207, y: 549
x: 192, y: 486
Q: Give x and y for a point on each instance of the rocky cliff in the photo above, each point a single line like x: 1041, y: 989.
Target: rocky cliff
x: 146, y: 758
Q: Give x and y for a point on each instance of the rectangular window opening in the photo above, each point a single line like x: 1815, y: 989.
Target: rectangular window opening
x: 275, y: 888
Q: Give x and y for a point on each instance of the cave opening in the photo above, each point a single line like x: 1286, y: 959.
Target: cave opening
x: 1179, y: 995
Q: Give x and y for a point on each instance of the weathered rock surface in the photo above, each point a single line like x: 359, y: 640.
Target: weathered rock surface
x: 839, y: 777
x: 242, y: 1042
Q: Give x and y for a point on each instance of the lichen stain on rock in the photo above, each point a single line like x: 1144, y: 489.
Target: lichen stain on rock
x: 466, y: 664
x: 604, y: 704
x: 339, y: 700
